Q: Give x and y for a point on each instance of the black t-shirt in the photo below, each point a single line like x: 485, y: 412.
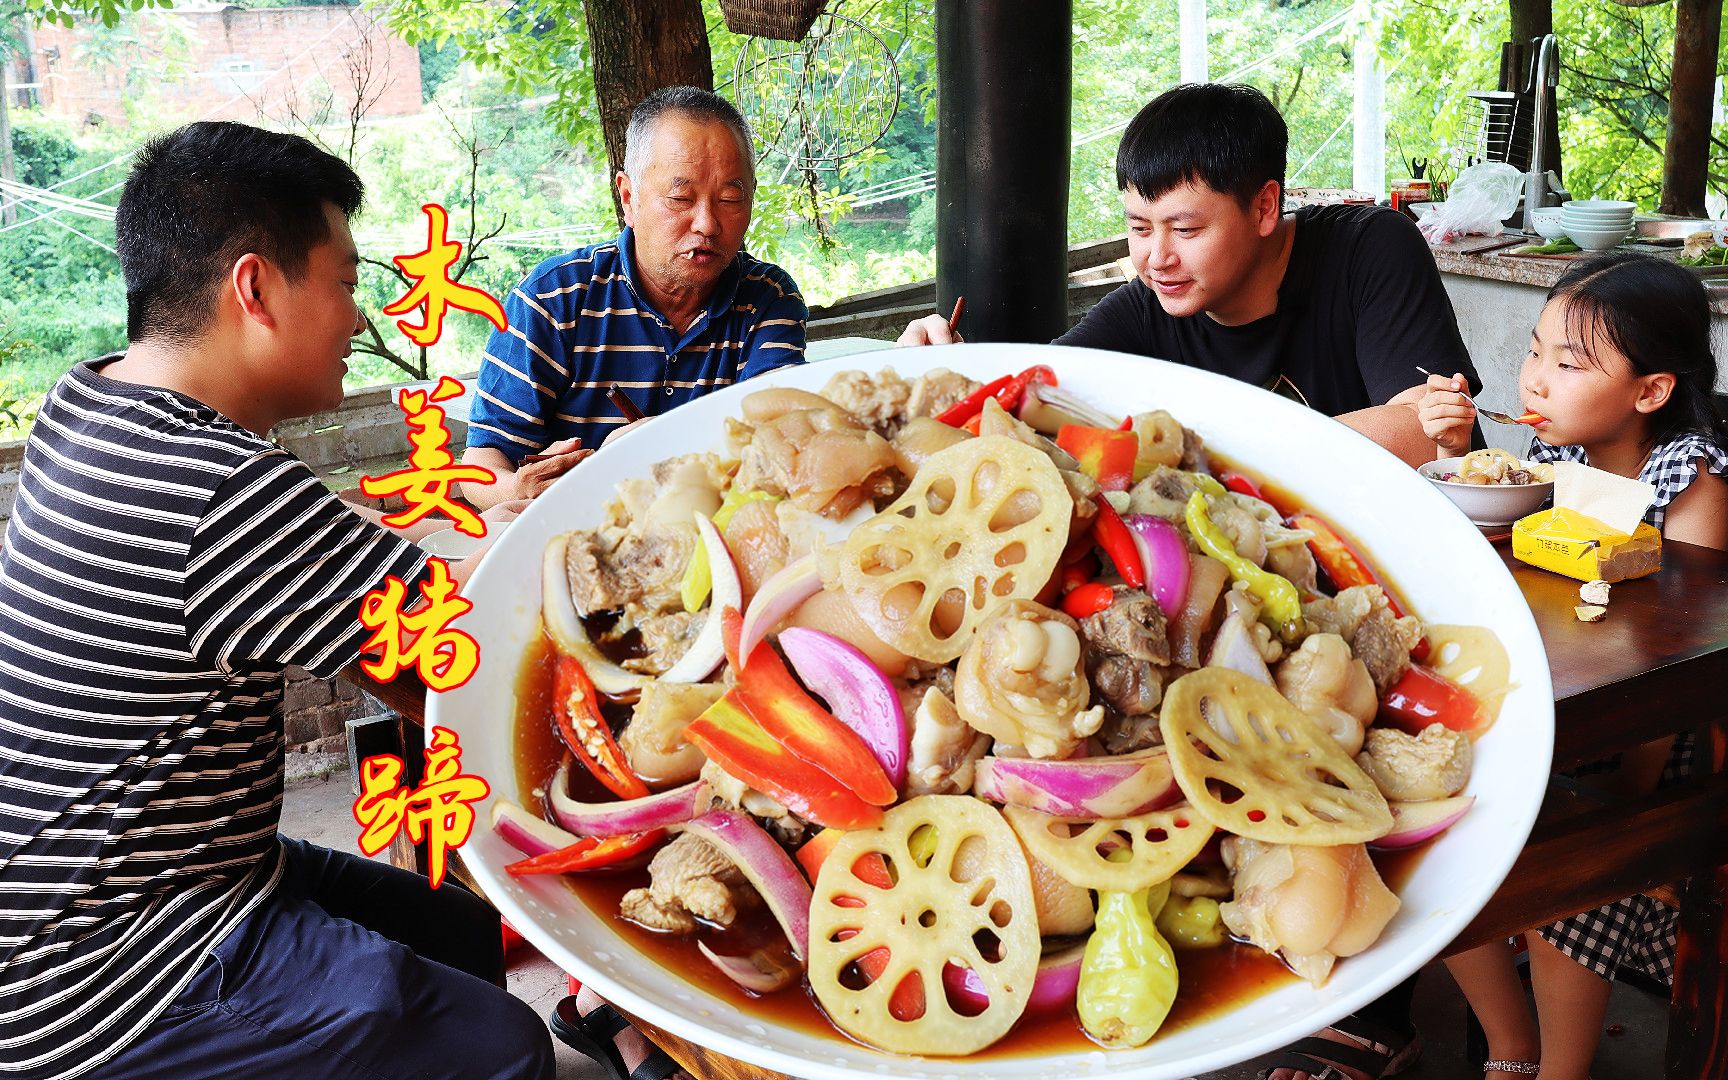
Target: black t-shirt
x: 1361, y: 305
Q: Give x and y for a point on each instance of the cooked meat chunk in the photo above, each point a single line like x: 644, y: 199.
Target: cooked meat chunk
x: 1312, y: 905
x: 1022, y: 681
x: 944, y: 748
x: 664, y: 639
x: 1343, y: 614
x: 1130, y: 687
x: 1164, y: 493
x: 1241, y: 527
x: 1295, y: 563
x: 920, y: 438
x: 814, y: 452
x: 689, y: 879
x: 937, y: 389
x: 1417, y: 768
x: 1132, y: 626
x: 1331, y: 686
x: 1377, y: 644
x: 877, y: 401
x: 653, y: 741
x: 1125, y: 734
x: 1194, y: 456
x: 758, y: 544
x: 641, y: 571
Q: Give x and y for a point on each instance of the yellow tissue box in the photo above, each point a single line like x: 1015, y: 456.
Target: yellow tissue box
x: 1582, y: 547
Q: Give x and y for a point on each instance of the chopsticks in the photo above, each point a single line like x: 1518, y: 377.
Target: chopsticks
x: 623, y: 404
x: 954, y: 319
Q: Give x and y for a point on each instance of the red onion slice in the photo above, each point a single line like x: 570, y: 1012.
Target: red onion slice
x: 767, y: 866
x: 657, y: 811
x: 1091, y: 787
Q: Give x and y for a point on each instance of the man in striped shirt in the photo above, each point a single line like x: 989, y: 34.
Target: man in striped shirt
x: 165, y: 561
x: 670, y: 310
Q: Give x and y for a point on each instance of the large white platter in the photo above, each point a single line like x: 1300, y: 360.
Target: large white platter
x: 1446, y: 570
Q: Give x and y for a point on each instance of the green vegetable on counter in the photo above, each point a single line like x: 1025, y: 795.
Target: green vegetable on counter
x: 1128, y: 975
x: 1561, y: 246
x: 1280, y: 600
x: 1713, y: 256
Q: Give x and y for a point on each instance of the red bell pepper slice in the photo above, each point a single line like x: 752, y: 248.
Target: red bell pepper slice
x: 1113, y: 536
x: 1241, y: 485
x: 1530, y: 418
x: 1079, y: 572
x: 733, y: 739
x: 1127, y: 424
x: 588, y: 853
x: 1339, y: 558
x: 576, y: 708
x: 971, y: 426
x: 1424, y: 697
x: 1008, y: 390
x: 1088, y: 599
x: 972, y: 404
x: 1106, y: 456
x: 799, y: 723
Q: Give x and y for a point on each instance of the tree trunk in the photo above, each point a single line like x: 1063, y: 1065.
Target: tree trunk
x: 1533, y: 19
x: 640, y: 46
x: 1686, y: 157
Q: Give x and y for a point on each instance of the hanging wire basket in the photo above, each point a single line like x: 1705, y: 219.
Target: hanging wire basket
x: 820, y: 100
x: 780, y: 20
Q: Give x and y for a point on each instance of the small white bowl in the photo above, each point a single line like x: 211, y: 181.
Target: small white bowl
x: 1597, y: 205
x: 1487, y: 504
x: 1593, y: 239
x: 1546, y: 222
x: 452, y: 544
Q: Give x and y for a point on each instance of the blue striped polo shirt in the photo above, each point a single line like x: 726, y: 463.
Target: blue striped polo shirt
x: 579, y: 325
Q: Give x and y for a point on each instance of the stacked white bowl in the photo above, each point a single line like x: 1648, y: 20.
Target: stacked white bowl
x: 1596, y: 224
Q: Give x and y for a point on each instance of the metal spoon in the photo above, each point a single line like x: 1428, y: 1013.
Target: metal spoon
x: 1497, y: 417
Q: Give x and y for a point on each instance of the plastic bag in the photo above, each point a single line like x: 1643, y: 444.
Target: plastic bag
x: 1481, y: 198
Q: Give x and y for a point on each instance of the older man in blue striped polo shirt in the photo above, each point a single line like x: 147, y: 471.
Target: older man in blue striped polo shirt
x: 671, y: 309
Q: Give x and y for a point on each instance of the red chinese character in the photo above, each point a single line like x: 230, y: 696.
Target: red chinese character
x: 438, y: 812
x: 444, y: 657
x: 425, y: 484
x: 430, y: 272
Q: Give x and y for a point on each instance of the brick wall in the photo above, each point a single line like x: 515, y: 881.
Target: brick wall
x: 315, y: 710
x: 233, y: 64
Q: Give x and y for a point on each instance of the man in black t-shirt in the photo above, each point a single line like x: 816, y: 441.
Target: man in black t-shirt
x: 1342, y: 301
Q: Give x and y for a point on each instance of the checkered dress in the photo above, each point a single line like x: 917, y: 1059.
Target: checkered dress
x: 1671, y: 467
x: 1635, y: 933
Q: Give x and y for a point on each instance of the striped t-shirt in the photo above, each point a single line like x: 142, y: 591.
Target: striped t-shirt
x: 162, y: 566
x: 579, y: 325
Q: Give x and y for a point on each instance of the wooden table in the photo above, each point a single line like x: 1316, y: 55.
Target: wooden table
x: 1658, y: 665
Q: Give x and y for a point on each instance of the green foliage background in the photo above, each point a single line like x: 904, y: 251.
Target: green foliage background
x: 518, y: 79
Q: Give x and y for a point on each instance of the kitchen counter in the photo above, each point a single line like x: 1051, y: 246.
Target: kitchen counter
x: 1484, y: 257
x: 1497, y: 300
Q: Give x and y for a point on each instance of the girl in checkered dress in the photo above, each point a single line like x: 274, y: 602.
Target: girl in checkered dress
x: 1621, y: 368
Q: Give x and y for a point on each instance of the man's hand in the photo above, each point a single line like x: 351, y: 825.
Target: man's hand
x: 930, y: 330
x: 522, y: 481
x: 627, y: 428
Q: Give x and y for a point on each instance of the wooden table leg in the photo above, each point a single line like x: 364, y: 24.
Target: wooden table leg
x: 1698, y: 1015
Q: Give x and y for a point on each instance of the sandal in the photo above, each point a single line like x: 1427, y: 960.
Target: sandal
x: 1374, y: 1050
x: 1516, y: 1068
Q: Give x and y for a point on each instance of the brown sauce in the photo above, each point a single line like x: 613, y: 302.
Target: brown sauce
x: 1213, y: 981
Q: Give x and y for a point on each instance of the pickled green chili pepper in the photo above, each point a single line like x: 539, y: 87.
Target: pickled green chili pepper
x: 1192, y: 921
x: 1280, y: 601
x: 1128, y: 975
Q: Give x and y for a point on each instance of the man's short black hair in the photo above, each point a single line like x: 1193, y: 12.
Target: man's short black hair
x: 202, y: 196
x: 1226, y: 136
